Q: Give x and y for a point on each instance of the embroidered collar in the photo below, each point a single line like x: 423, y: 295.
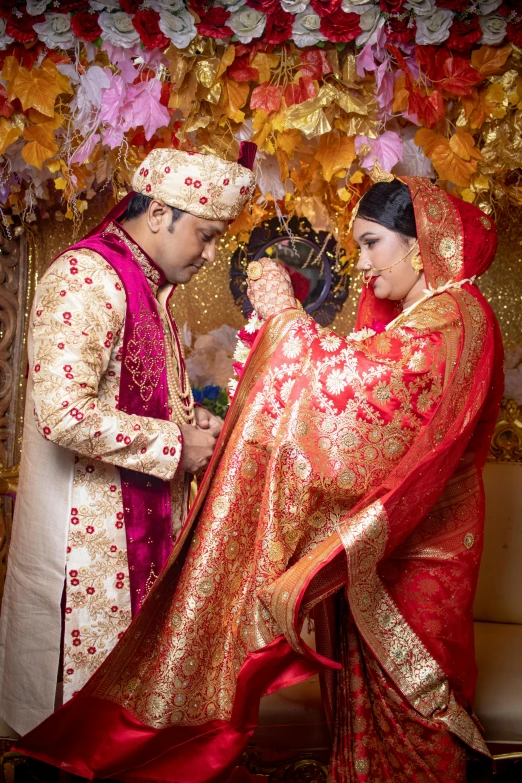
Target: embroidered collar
x: 150, y: 270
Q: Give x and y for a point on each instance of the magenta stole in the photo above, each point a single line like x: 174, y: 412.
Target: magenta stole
x: 144, y: 392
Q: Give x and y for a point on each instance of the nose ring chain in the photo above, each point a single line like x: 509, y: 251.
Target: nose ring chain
x: 367, y: 280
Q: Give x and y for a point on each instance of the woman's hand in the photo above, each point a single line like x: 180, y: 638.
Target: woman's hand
x: 273, y: 292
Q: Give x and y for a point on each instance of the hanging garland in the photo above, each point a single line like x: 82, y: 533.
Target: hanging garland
x: 322, y: 86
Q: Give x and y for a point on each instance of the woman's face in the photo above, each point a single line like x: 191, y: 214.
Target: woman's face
x: 382, y: 248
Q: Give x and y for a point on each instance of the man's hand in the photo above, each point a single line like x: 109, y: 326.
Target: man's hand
x: 198, y: 446
x: 206, y: 420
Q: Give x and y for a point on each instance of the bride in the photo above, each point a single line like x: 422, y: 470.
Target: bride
x: 347, y: 486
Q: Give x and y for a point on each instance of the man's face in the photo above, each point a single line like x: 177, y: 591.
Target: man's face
x: 181, y: 248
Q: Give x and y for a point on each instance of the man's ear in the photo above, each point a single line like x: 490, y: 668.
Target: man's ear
x: 156, y: 214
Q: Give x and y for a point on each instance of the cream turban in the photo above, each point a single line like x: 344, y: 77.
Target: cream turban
x: 203, y: 185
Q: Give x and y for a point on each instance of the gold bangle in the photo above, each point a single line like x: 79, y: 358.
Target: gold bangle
x: 254, y: 270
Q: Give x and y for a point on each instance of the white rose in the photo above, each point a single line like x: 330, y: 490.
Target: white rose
x: 172, y: 6
x: 247, y: 24
x: 305, y: 30
x: 488, y: 6
x: 358, y: 6
x: 36, y: 7
x: 231, y: 5
x: 369, y: 22
x: 118, y: 29
x: 294, y: 6
x: 421, y: 7
x: 56, y: 31
x: 180, y: 28
x: 435, y: 28
x: 493, y: 29
x: 5, y: 40
x: 107, y: 5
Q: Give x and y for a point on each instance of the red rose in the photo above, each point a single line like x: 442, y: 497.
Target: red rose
x: 21, y: 28
x: 326, y: 7
x: 464, y: 33
x: 278, y: 26
x: 340, y: 27
x: 85, y: 26
x: 398, y: 31
x: 266, y: 6
x: 514, y: 33
x: 213, y: 23
x: 391, y: 6
x: 130, y: 6
x: 146, y: 22
x: 68, y: 6
x: 455, y: 5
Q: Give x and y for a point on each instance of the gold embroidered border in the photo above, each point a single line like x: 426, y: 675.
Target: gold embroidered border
x: 151, y: 272
x: 395, y: 645
x: 440, y: 231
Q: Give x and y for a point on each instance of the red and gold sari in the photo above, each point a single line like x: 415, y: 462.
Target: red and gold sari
x: 347, y: 484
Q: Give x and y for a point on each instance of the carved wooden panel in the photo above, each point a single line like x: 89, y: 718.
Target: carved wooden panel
x: 16, y: 284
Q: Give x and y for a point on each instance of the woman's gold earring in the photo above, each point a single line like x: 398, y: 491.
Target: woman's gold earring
x: 416, y: 263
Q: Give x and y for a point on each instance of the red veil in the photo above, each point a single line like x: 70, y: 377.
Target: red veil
x: 348, y: 472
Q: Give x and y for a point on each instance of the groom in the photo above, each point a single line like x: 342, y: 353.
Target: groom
x: 111, y: 434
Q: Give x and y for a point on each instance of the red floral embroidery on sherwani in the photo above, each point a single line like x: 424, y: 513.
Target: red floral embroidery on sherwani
x: 347, y: 468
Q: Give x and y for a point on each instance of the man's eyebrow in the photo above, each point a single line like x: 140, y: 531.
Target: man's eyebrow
x: 215, y: 229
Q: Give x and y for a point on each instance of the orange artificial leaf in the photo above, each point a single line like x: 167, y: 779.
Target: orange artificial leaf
x: 267, y: 97
x: 400, y: 95
x: 61, y: 81
x: 289, y: 140
x: 10, y: 69
x: 335, y: 152
x: 463, y: 145
x: 36, y: 90
x: 235, y: 95
x: 490, y: 60
x: 429, y: 140
x: 42, y: 145
x: 450, y: 167
x: 8, y: 134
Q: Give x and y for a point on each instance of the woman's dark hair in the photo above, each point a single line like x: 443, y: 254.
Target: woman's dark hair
x: 390, y: 205
x: 139, y: 204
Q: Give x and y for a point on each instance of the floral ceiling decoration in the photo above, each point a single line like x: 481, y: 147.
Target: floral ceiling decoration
x: 87, y: 89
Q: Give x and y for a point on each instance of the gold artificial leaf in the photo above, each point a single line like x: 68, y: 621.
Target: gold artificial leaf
x: 60, y: 183
x: 468, y: 195
x: 335, y: 152
x: 227, y: 59
x: 9, y: 133
x: 352, y: 103
x: 42, y: 145
x: 206, y: 71
x: 311, y: 123
x: 357, y: 178
x: 265, y: 64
